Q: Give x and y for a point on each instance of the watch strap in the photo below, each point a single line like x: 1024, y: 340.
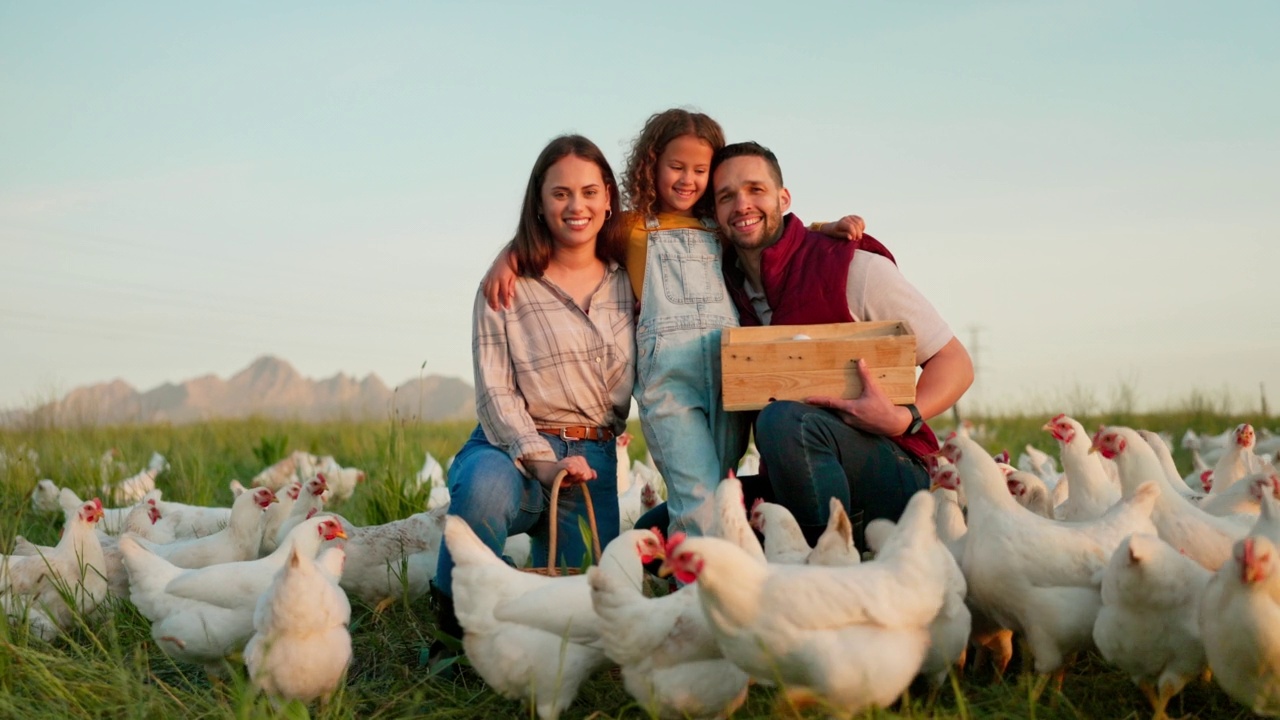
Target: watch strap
x: 917, y: 422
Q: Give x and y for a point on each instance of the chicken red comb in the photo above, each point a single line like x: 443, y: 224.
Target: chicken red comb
x: 661, y: 540
x: 674, y: 542
x: 732, y: 474
x: 756, y: 504
x: 97, y: 503
x: 1003, y: 457
x: 951, y: 435
x: 311, y: 512
x: 320, y: 477
x: 1058, y: 417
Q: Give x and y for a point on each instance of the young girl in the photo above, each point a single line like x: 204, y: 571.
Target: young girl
x: 553, y: 373
x: 673, y: 258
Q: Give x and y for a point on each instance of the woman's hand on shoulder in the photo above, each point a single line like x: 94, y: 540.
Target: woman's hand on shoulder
x: 499, y: 284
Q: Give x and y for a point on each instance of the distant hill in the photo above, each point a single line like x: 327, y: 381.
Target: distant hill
x: 270, y: 387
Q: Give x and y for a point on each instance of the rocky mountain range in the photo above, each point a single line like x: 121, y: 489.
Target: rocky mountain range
x: 269, y: 387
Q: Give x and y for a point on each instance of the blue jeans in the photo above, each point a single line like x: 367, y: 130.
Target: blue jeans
x: 496, y: 500
x: 809, y: 455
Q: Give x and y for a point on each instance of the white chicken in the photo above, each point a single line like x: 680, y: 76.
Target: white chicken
x: 1237, y: 461
x: 623, y: 464
x: 1161, y: 449
x: 202, y: 615
x: 1029, y: 491
x: 640, y: 497
x: 68, y: 502
x: 301, y: 646
x: 1205, y: 538
x: 849, y: 638
x: 1148, y: 625
x: 1035, y: 460
x: 238, y: 541
x: 1240, y: 624
x: 1089, y: 490
x: 342, y: 480
x: 784, y: 542
x: 1243, y: 497
x: 533, y: 637
x: 1031, y: 574
x: 393, y: 560
x: 310, y: 501
x: 949, y: 631
x: 33, y: 585
x: 834, y: 547
x: 432, y: 475
x: 275, y: 516
x: 132, y: 489
x: 750, y: 462
x: 181, y: 521
x: 44, y: 497
x: 141, y: 517
x: 670, y: 662
x: 300, y: 465
x: 732, y: 524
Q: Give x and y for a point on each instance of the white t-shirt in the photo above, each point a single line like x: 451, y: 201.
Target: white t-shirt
x: 877, y: 291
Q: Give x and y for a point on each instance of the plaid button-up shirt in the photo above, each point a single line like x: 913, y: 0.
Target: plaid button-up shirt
x: 546, y: 363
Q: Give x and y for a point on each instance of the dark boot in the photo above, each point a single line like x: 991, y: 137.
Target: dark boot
x: 446, y: 650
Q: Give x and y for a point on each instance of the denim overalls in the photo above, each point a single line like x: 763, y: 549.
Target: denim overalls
x: 683, y: 307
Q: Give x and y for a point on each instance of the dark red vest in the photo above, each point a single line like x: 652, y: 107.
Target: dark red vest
x: 806, y: 278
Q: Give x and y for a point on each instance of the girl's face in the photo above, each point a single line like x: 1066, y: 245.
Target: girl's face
x: 575, y: 200
x: 683, y: 169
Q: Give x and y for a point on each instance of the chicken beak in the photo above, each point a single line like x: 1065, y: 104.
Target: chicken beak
x: 1093, y: 449
x: 665, y: 570
x: 934, y: 486
x: 341, y: 534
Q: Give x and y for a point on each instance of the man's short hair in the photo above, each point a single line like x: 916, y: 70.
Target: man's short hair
x: 747, y: 149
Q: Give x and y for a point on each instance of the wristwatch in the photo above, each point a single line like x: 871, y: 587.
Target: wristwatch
x: 917, y: 422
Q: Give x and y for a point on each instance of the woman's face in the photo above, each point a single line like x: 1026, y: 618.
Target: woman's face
x: 575, y: 200
x: 683, y: 169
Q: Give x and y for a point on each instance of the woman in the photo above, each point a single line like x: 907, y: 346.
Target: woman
x: 553, y: 372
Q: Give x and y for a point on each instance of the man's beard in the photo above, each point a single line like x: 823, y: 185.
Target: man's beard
x: 769, y: 234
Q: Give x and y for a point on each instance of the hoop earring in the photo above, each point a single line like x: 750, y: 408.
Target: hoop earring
x: 540, y: 218
x: 608, y: 213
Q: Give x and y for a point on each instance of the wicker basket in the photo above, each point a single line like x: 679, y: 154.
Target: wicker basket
x: 551, y: 570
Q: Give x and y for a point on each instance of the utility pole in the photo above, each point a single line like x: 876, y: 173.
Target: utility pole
x: 974, y: 337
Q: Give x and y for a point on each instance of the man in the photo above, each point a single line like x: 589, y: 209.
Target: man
x: 866, y: 451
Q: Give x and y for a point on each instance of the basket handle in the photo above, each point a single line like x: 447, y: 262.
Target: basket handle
x: 555, y: 510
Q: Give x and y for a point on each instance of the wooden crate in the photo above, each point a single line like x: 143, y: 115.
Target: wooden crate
x: 759, y: 364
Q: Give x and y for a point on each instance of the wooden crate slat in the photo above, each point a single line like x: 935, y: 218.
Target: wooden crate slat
x: 753, y: 391
x: 774, y: 333
x: 800, y: 355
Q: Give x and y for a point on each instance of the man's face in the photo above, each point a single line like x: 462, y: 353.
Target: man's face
x: 749, y: 202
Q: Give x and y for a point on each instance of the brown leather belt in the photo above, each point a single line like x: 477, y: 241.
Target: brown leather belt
x: 579, y: 432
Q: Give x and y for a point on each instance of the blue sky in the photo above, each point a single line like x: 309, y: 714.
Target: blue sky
x: 1089, y: 186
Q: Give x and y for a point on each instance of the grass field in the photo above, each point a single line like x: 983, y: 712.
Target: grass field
x: 108, y: 667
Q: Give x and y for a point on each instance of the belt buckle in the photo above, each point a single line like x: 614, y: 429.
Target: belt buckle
x: 564, y: 435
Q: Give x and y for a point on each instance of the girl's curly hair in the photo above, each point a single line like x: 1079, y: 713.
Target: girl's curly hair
x: 642, y: 163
